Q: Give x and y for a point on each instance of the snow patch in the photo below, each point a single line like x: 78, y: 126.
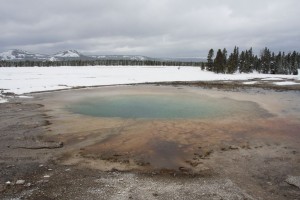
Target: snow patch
x: 250, y: 82
x: 2, y: 100
x: 25, y: 97
x: 32, y: 79
x: 286, y: 83
x: 69, y: 53
x: 52, y: 59
x: 272, y: 79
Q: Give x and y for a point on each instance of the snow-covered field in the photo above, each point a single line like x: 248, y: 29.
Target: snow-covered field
x: 30, y: 79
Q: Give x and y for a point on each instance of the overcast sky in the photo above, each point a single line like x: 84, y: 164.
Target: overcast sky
x: 159, y: 28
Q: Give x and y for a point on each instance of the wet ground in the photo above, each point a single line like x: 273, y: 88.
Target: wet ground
x: 243, y: 156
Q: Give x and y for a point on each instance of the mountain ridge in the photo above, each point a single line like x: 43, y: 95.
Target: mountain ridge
x: 66, y: 55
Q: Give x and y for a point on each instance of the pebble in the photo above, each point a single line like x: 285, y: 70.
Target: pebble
x: 43, y: 181
x: 7, y: 183
x: 269, y: 183
x: 46, y: 176
x: 233, y: 147
x: 20, y: 182
x: 28, y: 184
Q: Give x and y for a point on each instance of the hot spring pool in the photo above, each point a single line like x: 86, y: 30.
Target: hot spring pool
x: 162, y: 107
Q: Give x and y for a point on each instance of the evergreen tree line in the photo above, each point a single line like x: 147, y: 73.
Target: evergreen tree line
x: 96, y: 62
x: 246, y: 62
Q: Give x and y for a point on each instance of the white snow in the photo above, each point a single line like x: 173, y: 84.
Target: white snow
x: 30, y: 79
x: 2, y: 100
x: 250, y: 82
x: 7, y: 55
x: 272, y: 79
x: 52, y: 59
x: 69, y: 53
x: 286, y: 83
x: 25, y: 97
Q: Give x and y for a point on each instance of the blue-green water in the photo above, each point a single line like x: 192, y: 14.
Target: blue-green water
x: 160, y: 107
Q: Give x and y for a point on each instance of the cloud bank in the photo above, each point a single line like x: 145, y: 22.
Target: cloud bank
x: 159, y: 28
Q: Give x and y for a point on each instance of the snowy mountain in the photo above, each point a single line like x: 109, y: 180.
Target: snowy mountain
x: 17, y: 54
x: 122, y: 57
x: 69, y: 55
x: 20, y: 55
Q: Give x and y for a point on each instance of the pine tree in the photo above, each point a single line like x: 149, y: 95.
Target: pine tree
x: 236, y: 57
x: 251, y: 60
x: 288, y: 63
x: 294, y: 70
x: 273, y: 64
x: 225, y: 68
x: 219, y: 62
x: 232, y: 62
x: 265, y: 60
x: 279, y: 67
x: 202, y: 66
x: 210, y: 62
x: 242, y: 62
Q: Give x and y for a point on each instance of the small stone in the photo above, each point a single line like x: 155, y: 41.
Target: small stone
x: 47, y: 176
x: 20, y: 182
x: 27, y: 184
x: 50, y: 169
x: 155, y: 194
x: 41, y: 165
x: 269, y: 183
x: 223, y: 148
x: 233, y: 147
x: 183, y: 169
x: 67, y: 170
x: 43, y: 181
x: 8, y: 183
x: 60, y: 144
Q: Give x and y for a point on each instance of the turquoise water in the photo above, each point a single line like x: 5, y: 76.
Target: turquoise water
x: 159, y: 106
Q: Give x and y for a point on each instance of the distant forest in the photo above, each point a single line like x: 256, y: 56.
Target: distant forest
x: 266, y: 62
x: 96, y: 62
x: 246, y: 62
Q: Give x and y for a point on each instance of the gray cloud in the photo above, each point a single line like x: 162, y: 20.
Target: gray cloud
x: 149, y: 27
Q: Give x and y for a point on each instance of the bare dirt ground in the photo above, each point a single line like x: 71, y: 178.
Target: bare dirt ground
x: 61, y: 155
